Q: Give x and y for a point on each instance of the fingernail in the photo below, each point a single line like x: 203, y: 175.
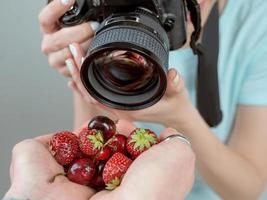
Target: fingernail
x: 70, y: 66
x: 73, y: 50
x: 66, y: 2
x: 172, y: 130
x: 94, y: 25
x: 176, y: 80
x: 82, y: 60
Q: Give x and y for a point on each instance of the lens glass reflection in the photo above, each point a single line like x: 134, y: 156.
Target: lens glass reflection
x: 124, y: 70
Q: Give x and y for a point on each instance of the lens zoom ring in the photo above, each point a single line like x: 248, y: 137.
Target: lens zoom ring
x: 132, y: 36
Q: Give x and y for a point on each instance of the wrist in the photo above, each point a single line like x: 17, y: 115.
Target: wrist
x: 183, y: 118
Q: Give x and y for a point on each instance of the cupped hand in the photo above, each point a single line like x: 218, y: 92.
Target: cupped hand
x: 34, y: 174
x: 165, y: 171
x: 56, y: 40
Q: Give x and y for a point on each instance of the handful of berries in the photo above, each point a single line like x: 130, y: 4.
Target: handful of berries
x: 99, y: 156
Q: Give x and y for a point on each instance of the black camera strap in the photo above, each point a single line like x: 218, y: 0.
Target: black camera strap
x: 208, y: 96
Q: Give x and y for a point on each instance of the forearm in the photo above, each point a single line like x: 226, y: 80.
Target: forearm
x: 227, y: 172
x: 82, y: 111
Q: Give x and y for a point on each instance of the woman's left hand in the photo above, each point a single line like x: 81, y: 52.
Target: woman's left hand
x: 173, y: 108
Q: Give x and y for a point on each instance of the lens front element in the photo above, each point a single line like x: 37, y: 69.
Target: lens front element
x: 124, y: 71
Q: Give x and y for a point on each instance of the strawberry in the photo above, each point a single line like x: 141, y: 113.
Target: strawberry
x: 115, y: 169
x: 91, y: 141
x: 64, y: 147
x: 139, y: 141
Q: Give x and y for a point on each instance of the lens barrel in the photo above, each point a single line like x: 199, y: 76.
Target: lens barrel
x: 127, y: 61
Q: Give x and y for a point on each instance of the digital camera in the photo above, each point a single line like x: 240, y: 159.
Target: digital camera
x: 127, y: 61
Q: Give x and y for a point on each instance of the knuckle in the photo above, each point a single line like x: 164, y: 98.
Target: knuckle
x: 64, y: 71
x: 19, y: 146
x: 52, y: 62
x: 45, y: 48
x: 42, y: 20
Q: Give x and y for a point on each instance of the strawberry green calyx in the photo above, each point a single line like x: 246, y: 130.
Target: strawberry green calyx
x: 97, y: 140
x: 142, y: 139
x: 113, y: 184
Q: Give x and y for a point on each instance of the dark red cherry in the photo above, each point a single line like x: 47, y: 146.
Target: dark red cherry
x: 104, y: 154
x: 97, y: 183
x: 118, y: 143
x: 104, y: 124
x: 82, y: 171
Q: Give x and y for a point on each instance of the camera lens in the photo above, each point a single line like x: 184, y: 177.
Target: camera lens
x: 127, y: 61
x: 124, y: 71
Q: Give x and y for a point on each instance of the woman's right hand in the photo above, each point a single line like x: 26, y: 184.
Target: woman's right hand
x: 56, y: 40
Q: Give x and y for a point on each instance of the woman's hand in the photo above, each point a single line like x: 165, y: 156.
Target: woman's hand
x: 33, y: 174
x: 174, y: 108
x: 165, y: 171
x: 56, y: 40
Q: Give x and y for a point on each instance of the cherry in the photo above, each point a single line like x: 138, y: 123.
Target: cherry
x: 82, y: 171
x: 104, y: 154
x: 118, y: 143
x: 104, y: 124
x: 98, y: 183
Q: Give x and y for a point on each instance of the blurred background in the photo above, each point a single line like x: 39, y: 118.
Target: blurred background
x: 34, y: 99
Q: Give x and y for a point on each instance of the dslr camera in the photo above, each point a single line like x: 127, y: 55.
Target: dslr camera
x: 127, y: 61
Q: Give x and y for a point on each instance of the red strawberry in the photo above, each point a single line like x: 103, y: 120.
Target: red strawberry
x: 91, y: 141
x: 64, y: 147
x: 118, y: 143
x: 82, y: 171
x: 115, y: 169
x: 140, y: 140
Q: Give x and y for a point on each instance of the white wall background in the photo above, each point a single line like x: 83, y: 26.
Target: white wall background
x: 34, y: 99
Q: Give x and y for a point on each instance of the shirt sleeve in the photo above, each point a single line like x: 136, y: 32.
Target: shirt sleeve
x: 254, y: 85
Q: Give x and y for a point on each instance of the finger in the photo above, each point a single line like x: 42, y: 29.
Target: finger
x: 170, y: 132
x: 64, y: 71
x: 174, y: 83
x: 77, y: 80
x: 44, y: 139
x: 66, y: 36
x: 57, y: 59
x: 11, y: 172
x: 75, y: 89
x: 125, y: 127
x: 48, y: 17
x: 77, y: 53
x: 103, y: 195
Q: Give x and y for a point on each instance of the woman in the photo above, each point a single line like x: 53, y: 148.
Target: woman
x: 230, y: 158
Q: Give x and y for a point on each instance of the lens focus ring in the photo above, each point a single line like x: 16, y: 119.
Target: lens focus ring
x: 136, y: 36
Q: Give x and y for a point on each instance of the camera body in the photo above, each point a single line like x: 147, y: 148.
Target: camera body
x: 170, y: 14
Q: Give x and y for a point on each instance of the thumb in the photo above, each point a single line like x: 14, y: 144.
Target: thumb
x: 175, y: 83
x: 125, y: 127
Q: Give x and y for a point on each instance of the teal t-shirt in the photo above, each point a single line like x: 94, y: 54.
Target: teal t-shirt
x: 242, y: 70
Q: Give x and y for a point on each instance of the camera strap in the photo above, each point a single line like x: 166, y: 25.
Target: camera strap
x: 208, y: 96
